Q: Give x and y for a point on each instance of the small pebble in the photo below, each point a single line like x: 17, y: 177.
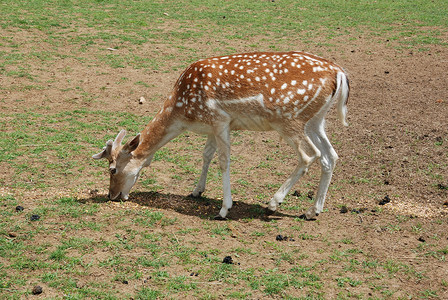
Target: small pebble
x: 227, y: 260
x: 283, y: 238
x: 34, y: 217
x: 442, y: 186
x: 37, y: 290
x: 384, y: 201
x: 19, y: 208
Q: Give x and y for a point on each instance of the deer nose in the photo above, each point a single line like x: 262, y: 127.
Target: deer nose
x: 111, y: 197
x: 113, y: 171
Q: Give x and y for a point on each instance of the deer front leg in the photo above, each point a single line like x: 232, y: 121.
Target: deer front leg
x: 222, y: 137
x: 207, y: 155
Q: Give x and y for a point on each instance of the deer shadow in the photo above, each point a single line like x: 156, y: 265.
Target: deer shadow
x: 203, y: 207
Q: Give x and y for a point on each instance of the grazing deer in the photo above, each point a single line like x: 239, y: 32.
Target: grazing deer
x: 289, y: 92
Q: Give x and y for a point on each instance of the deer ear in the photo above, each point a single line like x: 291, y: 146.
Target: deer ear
x: 106, y: 153
x: 132, y: 145
x: 119, y: 139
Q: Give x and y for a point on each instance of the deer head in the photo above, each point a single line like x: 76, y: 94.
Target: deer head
x: 124, y: 168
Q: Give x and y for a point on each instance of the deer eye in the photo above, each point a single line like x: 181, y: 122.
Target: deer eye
x: 113, y: 171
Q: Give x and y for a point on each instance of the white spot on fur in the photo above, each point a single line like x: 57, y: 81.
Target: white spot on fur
x: 211, y: 103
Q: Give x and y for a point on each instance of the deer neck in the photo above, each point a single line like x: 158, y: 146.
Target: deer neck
x: 162, y: 129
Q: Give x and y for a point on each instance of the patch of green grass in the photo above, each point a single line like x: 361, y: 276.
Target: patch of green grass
x: 56, y: 137
x: 220, y: 229
x: 342, y: 281
x: 147, y: 293
x: 141, y: 22
x: 440, y: 254
x: 42, y: 151
x: 180, y: 283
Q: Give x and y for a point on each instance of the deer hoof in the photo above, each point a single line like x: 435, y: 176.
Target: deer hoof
x: 269, y: 212
x: 311, y: 214
x: 199, y: 195
x: 219, y: 218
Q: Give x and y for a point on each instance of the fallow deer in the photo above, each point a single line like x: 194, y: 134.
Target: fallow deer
x: 289, y: 92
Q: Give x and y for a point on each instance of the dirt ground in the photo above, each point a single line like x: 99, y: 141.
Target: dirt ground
x: 396, y: 146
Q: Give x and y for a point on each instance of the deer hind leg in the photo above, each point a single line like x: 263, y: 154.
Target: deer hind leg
x: 328, y: 158
x: 301, y: 147
x: 207, y: 155
x: 222, y: 137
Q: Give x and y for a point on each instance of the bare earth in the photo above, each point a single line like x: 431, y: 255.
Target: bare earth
x: 396, y: 146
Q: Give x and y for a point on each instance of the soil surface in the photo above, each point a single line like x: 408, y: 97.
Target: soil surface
x: 395, y: 146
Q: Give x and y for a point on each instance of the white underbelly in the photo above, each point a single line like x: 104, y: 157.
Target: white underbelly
x: 254, y: 123
x: 200, y: 128
x: 237, y: 123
